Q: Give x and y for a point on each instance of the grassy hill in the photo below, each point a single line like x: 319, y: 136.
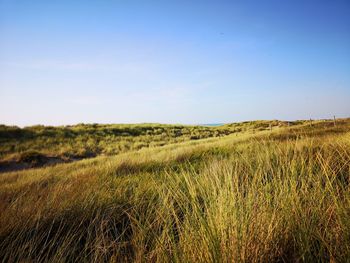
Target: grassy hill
x: 253, y: 195
x: 90, y: 140
x: 40, y: 145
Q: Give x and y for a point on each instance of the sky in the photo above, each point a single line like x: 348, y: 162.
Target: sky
x: 191, y: 62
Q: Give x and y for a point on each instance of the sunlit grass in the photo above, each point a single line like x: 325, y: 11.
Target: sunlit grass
x: 253, y: 197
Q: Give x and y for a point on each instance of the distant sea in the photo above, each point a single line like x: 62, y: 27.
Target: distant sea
x: 212, y: 124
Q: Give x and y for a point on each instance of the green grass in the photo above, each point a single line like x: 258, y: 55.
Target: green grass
x: 257, y: 196
x: 89, y: 140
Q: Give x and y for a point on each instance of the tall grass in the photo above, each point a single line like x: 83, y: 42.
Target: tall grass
x: 259, y: 198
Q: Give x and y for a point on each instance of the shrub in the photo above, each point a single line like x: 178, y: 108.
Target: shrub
x: 33, y: 158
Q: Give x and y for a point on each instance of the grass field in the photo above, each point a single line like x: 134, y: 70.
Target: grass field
x: 235, y: 193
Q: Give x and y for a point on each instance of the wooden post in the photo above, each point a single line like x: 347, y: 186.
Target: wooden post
x: 334, y: 120
x: 270, y: 127
x: 310, y: 122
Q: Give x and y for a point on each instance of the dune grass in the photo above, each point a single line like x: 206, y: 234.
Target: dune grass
x: 90, y: 140
x: 280, y: 196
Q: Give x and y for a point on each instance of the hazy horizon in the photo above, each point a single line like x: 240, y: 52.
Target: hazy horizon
x: 214, y: 124
x: 201, y: 62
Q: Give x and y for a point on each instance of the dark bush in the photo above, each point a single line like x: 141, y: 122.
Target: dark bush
x: 33, y: 158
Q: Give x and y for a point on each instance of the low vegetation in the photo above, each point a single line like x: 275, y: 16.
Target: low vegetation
x: 89, y: 140
x: 255, y: 195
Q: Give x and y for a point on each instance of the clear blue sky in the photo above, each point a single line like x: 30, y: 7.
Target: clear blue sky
x: 64, y: 62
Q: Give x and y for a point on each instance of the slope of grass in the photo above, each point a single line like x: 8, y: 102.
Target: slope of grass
x: 253, y: 197
x: 88, y: 140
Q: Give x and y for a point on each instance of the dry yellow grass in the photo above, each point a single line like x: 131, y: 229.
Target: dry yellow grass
x: 255, y: 197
